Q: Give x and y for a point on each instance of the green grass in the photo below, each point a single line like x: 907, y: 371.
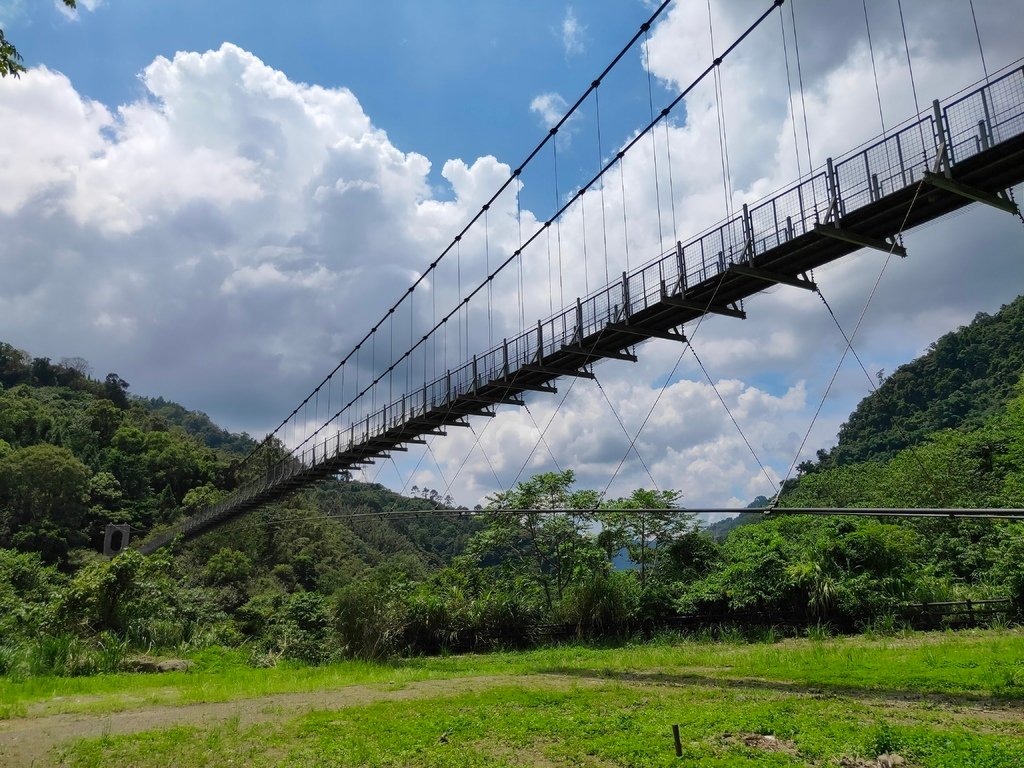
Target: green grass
x: 973, y: 663
x: 976, y: 663
x: 609, y: 725
x: 942, y: 700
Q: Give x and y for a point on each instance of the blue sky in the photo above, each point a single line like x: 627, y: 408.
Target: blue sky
x: 193, y: 199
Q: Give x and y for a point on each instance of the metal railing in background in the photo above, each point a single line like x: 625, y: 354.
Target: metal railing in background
x: 968, y: 124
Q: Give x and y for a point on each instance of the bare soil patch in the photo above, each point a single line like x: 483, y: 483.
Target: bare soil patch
x: 31, y: 741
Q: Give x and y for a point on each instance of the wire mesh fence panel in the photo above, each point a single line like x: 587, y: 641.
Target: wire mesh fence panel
x: 991, y: 114
x: 971, y: 124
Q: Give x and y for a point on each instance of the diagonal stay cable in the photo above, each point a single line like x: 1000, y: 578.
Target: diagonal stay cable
x: 664, y: 387
x: 543, y: 432
x: 849, y: 342
x: 543, y: 440
x: 622, y: 426
x: 436, y: 463
x: 732, y: 418
x: 465, y: 459
x: 876, y: 390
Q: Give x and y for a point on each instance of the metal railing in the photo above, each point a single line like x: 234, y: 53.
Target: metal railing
x: 968, y: 125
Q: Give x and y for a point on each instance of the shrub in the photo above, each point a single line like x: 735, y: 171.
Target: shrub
x: 370, y: 620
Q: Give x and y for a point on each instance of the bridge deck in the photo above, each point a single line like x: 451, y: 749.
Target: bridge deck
x: 864, y: 197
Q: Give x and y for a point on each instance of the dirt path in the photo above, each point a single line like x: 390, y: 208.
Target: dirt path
x: 29, y: 741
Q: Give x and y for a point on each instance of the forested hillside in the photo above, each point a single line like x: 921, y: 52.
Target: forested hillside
x: 332, y: 572
x: 962, y: 380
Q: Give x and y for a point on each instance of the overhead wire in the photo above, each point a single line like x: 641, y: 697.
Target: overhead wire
x: 800, y: 77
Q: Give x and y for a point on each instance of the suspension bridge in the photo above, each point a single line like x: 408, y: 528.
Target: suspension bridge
x: 962, y: 149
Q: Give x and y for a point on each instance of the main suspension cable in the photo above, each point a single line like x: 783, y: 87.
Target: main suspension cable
x: 512, y: 177
x: 665, y: 112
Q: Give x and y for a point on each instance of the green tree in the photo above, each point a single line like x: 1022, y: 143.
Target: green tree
x: 646, y: 534
x: 44, y: 492
x: 551, y: 548
x: 229, y: 567
x: 10, y: 59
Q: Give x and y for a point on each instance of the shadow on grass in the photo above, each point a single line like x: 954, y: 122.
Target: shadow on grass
x: 998, y: 699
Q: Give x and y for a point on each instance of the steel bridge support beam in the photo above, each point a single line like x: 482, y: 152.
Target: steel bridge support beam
x: 535, y: 387
x: 864, y: 241
x: 713, y: 309
x: 549, y: 371
x: 647, y: 333
x: 629, y: 357
x: 773, y: 277
x: 971, y: 193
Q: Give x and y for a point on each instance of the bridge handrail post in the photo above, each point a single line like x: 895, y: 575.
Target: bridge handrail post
x: 986, y: 138
x: 625, y: 297
x: 681, y: 266
x: 899, y: 158
x: 748, y: 233
x: 943, y: 140
x: 540, y: 341
x: 504, y: 358
x: 775, y: 220
x: 832, y: 181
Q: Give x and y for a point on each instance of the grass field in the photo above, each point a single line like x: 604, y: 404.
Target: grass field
x: 937, y: 699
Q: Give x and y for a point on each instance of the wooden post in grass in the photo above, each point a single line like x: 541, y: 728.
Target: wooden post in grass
x: 679, y: 744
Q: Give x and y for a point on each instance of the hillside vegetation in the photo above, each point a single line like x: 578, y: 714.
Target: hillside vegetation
x: 330, y: 573
x: 962, y: 381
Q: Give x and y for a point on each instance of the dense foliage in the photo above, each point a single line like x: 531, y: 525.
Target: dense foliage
x: 354, y: 569
x: 77, y: 453
x: 963, y: 379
